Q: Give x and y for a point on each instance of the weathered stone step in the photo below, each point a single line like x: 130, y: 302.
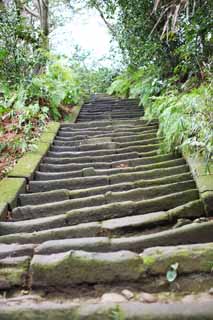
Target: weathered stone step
x: 15, y: 250
x: 90, y: 171
x: 108, y: 116
x: 106, y: 165
x: 98, y: 141
x: 91, y: 181
x: 100, y: 155
x: 135, y: 146
x: 63, y: 194
x: 106, y: 130
x: 41, y: 309
x: 92, y: 114
x: 100, y: 213
x: 75, y: 267
x: 75, y: 158
x: 111, y: 227
x: 43, y: 197
x: 184, y: 177
x: 13, y: 273
x: 55, y: 208
x: 113, y: 135
x: 101, y: 124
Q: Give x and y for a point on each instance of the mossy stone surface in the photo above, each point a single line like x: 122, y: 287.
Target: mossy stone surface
x: 53, y: 127
x: 75, y: 267
x: 10, y: 189
x: 13, y: 271
x: 190, y: 258
x: 27, y: 165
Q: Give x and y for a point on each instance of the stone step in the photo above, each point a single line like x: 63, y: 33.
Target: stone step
x: 105, y: 209
x: 101, y: 212
x: 63, y: 194
x: 111, y: 227
x: 97, y: 141
x: 101, y: 124
x: 200, y: 307
x: 90, y: 171
x: 113, y: 135
x: 71, y: 267
x: 108, y: 129
x: 100, y: 155
x: 106, y: 165
x: 135, y: 145
x: 96, y: 181
x: 34, y: 211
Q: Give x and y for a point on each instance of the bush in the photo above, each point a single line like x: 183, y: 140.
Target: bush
x: 184, y: 111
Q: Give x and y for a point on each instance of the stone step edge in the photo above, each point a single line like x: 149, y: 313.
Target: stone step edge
x: 83, y: 267
x: 44, y: 309
x: 108, y: 227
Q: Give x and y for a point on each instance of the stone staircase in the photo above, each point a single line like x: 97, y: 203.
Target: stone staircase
x: 101, y: 212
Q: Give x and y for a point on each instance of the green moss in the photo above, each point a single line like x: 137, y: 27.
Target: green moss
x: 27, y: 165
x: 52, y: 127
x: 149, y: 261
x: 10, y: 188
x: 73, y: 116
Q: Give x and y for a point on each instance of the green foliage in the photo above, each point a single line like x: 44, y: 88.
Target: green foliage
x: 117, y: 314
x: 58, y: 85
x: 185, y: 113
x: 19, y: 42
x: 186, y: 120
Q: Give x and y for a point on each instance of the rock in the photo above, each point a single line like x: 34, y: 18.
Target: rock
x: 127, y: 294
x: 211, y: 291
x: 189, y: 298
x: 200, y: 220
x: 181, y: 222
x: 112, y: 297
x: 147, y: 297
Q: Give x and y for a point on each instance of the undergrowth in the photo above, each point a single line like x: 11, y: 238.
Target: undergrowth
x: 185, y: 111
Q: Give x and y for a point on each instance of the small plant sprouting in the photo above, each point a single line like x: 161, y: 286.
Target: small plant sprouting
x: 171, y: 274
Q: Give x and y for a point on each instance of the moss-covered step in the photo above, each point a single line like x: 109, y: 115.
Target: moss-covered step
x: 29, y: 163
x: 77, y: 267
x: 52, y: 127
x: 10, y: 188
x: 74, y: 267
x: 13, y: 272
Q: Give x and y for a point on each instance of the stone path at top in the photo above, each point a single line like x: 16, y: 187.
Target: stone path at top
x: 101, y: 202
